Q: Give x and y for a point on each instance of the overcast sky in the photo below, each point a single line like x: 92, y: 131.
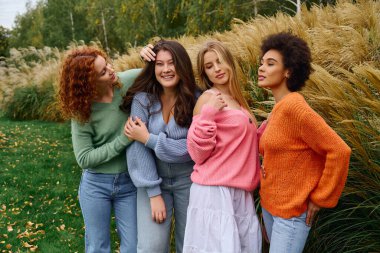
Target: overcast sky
x: 9, y: 9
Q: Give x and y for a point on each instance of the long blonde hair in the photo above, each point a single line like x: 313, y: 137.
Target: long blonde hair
x: 225, y: 56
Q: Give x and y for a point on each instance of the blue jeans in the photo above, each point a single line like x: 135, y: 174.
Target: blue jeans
x: 175, y: 187
x: 286, y: 235
x: 98, y: 194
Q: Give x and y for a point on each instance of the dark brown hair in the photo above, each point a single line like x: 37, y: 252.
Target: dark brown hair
x: 186, y: 88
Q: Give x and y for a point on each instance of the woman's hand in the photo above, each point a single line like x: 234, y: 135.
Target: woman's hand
x: 147, y: 53
x: 312, y: 210
x: 217, y: 101
x: 136, y: 130
x: 157, y: 205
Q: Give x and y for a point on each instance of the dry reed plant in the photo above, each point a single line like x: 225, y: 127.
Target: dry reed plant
x: 342, y: 36
x: 25, y: 67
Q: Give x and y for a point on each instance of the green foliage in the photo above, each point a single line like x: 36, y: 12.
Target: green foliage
x: 33, y: 102
x: 4, y: 41
x: 27, y: 31
x: 59, y: 32
x: 121, y: 24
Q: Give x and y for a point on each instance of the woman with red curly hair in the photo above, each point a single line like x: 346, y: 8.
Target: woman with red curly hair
x: 90, y: 93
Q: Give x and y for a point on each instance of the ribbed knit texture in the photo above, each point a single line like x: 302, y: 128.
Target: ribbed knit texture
x: 303, y: 159
x: 166, y: 141
x: 99, y: 145
x: 224, y: 147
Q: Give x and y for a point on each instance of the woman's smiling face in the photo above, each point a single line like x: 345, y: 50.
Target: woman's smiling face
x: 165, y: 70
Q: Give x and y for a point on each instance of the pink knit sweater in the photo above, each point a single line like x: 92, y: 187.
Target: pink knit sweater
x: 224, y: 147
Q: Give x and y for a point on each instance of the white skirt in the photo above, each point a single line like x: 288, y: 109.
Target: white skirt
x: 221, y: 220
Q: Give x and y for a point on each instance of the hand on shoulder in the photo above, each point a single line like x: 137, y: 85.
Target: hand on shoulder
x: 212, y: 99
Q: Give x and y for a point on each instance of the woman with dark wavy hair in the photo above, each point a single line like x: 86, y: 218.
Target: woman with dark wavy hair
x: 161, y: 103
x: 90, y: 92
x: 305, y: 163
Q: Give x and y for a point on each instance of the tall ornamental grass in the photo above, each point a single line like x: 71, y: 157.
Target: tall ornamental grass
x: 28, y: 84
x: 344, y: 89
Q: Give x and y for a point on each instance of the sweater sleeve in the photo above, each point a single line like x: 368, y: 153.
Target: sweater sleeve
x: 89, y: 156
x: 142, y: 168
x: 325, y: 141
x: 127, y: 78
x: 201, y: 138
x: 141, y: 163
x: 167, y: 149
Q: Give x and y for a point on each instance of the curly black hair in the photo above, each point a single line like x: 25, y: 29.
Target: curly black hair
x: 296, y: 57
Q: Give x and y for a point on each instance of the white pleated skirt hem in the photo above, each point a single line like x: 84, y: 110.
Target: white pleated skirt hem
x: 221, y: 220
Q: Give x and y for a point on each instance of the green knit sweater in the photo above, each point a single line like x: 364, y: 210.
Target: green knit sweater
x: 99, y: 145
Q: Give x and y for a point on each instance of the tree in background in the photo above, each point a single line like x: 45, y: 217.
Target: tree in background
x: 124, y: 23
x: 64, y: 21
x: 4, y: 41
x: 27, y: 31
x: 120, y: 24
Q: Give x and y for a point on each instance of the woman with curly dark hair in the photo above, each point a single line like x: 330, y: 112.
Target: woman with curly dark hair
x: 90, y: 92
x: 305, y: 163
x: 161, y: 103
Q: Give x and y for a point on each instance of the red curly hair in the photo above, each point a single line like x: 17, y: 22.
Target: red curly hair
x: 77, y: 84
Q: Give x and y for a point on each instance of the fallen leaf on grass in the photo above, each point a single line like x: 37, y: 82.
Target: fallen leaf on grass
x: 23, y: 234
x: 27, y: 203
x: 16, y: 210
x: 29, y: 234
x: 29, y: 224
x: 32, y: 248
x: 27, y: 245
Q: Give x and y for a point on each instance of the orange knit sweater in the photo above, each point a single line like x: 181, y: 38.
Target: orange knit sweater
x: 303, y: 159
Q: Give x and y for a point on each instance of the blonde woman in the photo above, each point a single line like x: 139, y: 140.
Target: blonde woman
x: 222, y: 141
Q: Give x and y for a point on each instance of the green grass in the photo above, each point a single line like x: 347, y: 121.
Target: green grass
x: 39, y: 177
x: 39, y: 209
x: 39, y: 181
